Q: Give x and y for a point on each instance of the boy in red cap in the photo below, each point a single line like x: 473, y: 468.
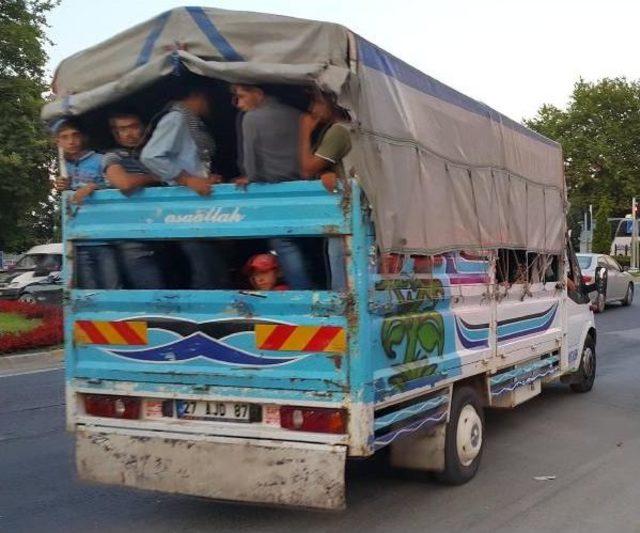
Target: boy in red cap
x: 263, y: 272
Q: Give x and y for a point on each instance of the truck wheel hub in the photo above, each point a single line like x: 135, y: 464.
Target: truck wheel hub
x: 469, y: 435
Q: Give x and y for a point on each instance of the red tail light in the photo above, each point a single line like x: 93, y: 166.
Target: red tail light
x: 315, y: 419
x: 112, y: 406
x: 587, y: 279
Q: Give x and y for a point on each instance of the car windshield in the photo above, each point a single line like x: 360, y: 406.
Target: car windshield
x: 625, y: 227
x: 51, y: 262
x: 584, y: 261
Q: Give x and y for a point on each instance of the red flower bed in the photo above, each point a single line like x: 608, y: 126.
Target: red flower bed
x: 47, y: 333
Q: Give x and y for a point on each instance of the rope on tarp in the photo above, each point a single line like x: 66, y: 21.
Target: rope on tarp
x: 212, y: 33
x: 150, y: 42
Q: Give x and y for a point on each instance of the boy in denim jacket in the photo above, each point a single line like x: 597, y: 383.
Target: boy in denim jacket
x: 96, y: 264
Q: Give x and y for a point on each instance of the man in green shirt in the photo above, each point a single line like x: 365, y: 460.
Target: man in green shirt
x: 323, y: 158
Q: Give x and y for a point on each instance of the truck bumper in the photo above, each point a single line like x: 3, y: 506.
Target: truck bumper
x: 247, y: 470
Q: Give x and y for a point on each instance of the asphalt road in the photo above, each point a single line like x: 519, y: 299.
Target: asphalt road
x: 590, y: 442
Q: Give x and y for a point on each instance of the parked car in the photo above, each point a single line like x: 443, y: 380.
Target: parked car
x: 618, y: 283
x: 33, y: 267
x: 48, y: 291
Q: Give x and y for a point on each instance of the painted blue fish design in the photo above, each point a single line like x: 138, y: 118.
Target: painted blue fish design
x: 198, y: 345
x: 201, y: 340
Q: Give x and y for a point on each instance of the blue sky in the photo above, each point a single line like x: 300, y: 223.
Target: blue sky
x: 512, y: 54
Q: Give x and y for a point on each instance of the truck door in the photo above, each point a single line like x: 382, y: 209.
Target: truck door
x: 616, y: 283
x: 578, y: 310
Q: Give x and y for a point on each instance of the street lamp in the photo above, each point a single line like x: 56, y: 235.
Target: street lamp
x: 634, y: 236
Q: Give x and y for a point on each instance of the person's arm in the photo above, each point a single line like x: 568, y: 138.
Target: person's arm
x: 62, y: 184
x: 334, y: 145
x: 117, y: 176
x: 310, y: 165
x: 79, y: 196
x: 159, y: 155
x: 202, y: 186
x: 239, y: 147
x: 127, y: 182
x: 250, y: 134
x: 241, y: 179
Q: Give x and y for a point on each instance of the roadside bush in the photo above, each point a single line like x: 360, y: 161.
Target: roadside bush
x: 47, y: 333
x: 624, y: 260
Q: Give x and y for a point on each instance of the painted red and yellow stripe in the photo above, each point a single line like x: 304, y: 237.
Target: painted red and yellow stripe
x: 283, y: 337
x: 128, y: 333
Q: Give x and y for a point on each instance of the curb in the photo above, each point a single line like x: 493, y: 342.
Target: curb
x: 31, y: 361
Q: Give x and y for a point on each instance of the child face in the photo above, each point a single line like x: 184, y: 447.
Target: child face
x: 71, y: 141
x: 264, y: 281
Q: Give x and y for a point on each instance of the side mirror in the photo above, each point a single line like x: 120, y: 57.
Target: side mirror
x: 625, y: 268
x: 601, y: 279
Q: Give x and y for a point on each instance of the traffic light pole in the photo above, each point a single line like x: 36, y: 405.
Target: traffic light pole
x: 634, y: 236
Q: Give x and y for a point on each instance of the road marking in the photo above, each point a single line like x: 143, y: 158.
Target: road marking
x: 26, y: 372
x: 633, y: 333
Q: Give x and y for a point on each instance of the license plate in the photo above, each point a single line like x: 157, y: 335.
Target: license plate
x: 205, y: 410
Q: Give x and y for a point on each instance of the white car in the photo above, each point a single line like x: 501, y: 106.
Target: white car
x: 618, y: 283
x: 33, y: 267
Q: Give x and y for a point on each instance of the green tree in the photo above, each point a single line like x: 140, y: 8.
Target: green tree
x: 26, y: 154
x: 602, y: 233
x: 600, y: 135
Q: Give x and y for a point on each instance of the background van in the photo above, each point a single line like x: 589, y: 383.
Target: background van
x: 35, y: 266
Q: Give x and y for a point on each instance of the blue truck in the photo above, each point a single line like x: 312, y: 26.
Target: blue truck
x: 460, y: 292
x: 262, y: 395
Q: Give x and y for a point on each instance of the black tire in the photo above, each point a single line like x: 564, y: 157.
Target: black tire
x: 586, y: 374
x: 458, y: 471
x: 629, y: 296
x: 27, y: 297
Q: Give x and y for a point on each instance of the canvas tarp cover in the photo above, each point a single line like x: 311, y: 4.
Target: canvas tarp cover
x: 440, y: 170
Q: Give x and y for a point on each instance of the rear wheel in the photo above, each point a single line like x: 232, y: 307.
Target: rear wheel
x: 586, y: 374
x: 628, y: 298
x: 27, y: 298
x: 464, y: 440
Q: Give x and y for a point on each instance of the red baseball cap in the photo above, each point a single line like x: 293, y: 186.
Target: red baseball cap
x: 260, y: 263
